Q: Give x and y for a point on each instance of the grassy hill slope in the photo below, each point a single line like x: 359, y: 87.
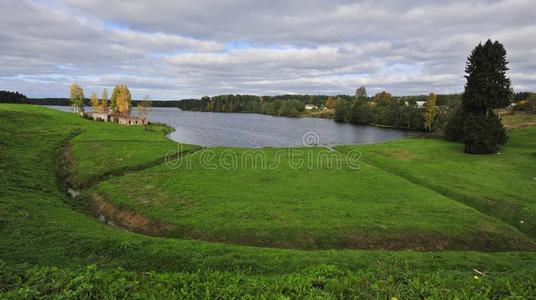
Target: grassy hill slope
x: 50, y: 246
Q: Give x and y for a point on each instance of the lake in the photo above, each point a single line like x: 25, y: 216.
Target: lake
x: 257, y: 130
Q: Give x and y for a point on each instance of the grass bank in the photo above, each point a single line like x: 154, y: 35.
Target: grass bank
x: 52, y: 247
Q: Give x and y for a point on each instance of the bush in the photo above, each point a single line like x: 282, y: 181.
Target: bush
x: 482, y: 134
x: 342, y: 109
x: 453, y: 130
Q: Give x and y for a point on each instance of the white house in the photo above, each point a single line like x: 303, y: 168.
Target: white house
x: 420, y: 104
x: 310, y: 107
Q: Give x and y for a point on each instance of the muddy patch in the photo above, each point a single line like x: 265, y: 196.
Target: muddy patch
x: 109, y: 214
x: 401, y: 155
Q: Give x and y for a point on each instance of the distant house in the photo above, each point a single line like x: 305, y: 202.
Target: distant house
x: 310, y: 107
x: 420, y: 104
x: 100, y: 116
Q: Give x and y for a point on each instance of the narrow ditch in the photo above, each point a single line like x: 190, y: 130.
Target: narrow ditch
x: 96, y: 205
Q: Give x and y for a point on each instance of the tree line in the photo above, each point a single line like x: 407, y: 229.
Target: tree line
x: 525, y: 101
x: 383, y: 109
x: 282, y: 105
x: 12, y: 97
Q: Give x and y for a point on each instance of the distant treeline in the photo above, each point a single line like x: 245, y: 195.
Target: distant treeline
x: 288, y: 105
x: 381, y: 109
x: 397, y: 111
x: 12, y: 97
x: 16, y: 97
x: 294, y: 105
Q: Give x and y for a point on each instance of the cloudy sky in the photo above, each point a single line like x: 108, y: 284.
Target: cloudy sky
x: 190, y: 48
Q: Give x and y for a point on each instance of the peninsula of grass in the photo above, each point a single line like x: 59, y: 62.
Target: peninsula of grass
x: 51, y: 246
x: 307, y: 198
x: 105, y: 149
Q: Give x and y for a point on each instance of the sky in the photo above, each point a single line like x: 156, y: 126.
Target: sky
x: 191, y: 48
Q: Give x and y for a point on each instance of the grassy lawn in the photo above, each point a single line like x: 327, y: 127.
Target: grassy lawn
x: 49, y: 243
x: 501, y: 185
x: 313, y: 206
x: 105, y: 149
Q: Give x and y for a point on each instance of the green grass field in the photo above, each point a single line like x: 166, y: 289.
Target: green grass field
x: 316, y: 206
x: 501, y: 185
x: 51, y: 246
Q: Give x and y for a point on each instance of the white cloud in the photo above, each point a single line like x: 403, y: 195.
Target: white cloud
x: 176, y: 49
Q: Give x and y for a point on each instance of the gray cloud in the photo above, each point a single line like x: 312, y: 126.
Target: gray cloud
x: 177, y: 49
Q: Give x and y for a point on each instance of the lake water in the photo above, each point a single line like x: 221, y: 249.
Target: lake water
x: 257, y: 130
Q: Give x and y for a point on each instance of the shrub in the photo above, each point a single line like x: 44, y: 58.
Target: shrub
x: 342, y: 108
x: 483, y: 135
x: 453, y: 130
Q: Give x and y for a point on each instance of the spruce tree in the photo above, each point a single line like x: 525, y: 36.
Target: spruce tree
x: 487, y: 88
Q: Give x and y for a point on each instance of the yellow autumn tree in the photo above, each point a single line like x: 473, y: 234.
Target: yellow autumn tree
x: 95, y: 105
x: 104, y: 101
x: 121, y: 100
x: 77, y: 98
x: 430, y: 111
x: 330, y: 102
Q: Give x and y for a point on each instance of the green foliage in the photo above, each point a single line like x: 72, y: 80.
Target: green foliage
x: 384, y: 110
x: 382, y: 98
x: 323, y: 281
x: 12, y: 97
x: 284, y: 105
x: 487, y: 88
x: 453, y: 130
x: 342, y: 110
x: 360, y: 113
x: 361, y: 93
x: 290, y: 108
x: 482, y: 135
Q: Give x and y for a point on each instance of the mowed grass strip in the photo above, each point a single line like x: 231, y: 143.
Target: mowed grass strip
x: 501, y: 185
x: 220, y: 194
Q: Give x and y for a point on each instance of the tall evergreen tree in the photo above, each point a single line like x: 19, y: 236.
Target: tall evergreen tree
x: 487, y: 88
